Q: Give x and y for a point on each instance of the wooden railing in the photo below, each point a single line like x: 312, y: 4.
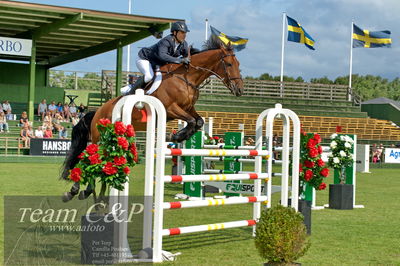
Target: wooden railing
x: 12, y: 143
x: 267, y: 89
x: 275, y: 89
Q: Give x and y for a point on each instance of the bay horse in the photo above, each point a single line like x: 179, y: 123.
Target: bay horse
x: 178, y: 92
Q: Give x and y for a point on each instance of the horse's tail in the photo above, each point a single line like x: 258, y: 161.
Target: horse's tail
x: 79, y: 138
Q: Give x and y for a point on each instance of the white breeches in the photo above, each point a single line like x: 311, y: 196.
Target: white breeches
x: 144, y: 66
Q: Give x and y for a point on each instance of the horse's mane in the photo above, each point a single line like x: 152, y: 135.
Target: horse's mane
x: 213, y: 43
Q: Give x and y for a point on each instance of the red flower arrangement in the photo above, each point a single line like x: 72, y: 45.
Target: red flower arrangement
x: 110, y: 159
x: 312, y: 167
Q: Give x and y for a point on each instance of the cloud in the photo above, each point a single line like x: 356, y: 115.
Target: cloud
x: 327, y: 21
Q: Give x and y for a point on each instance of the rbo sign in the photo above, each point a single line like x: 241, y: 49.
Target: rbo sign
x: 13, y: 46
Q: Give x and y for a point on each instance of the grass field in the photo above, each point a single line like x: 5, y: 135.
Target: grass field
x: 369, y: 236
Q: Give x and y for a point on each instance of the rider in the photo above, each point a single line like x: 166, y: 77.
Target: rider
x: 171, y: 49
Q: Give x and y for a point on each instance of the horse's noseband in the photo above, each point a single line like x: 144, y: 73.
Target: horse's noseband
x: 228, y: 78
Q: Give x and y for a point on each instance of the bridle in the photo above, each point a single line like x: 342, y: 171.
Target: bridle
x: 226, y: 80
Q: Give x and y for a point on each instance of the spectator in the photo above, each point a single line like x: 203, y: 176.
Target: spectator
x: 73, y: 110
x: 66, y: 113
x: 3, y: 122
x: 1, y: 108
x: 52, y: 108
x: 62, y: 132
x: 74, y: 120
x: 26, y: 136
x: 48, y: 133
x: 7, y: 110
x: 250, y: 142
x: 31, y: 131
x: 276, y: 143
x: 60, y: 109
x: 47, y: 120
x: 23, y: 120
x: 39, y: 132
x: 42, y: 109
x: 81, y: 110
x: 379, y: 152
x: 57, y: 122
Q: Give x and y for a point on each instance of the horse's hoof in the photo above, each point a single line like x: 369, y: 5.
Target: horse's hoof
x: 178, y: 138
x: 82, y: 195
x: 169, y: 138
x: 67, y: 197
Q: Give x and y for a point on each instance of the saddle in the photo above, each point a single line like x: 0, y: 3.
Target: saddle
x: 148, y: 87
x: 139, y: 84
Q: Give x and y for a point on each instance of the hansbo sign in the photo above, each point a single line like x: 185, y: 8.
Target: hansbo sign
x: 13, y: 46
x: 50, y: 147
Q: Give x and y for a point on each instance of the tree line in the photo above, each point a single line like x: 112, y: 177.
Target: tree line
x: 367, y: 87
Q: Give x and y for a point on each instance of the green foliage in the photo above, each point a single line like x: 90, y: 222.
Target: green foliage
x: 89, y: 81
x: 341, y: 147
x: 323, y: 80
x: 312, y: 168
x: 109, y: 161
x: 281, y: 235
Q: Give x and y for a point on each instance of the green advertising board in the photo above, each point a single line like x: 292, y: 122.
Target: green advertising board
x: 194, y: 165
x: 234, y: 139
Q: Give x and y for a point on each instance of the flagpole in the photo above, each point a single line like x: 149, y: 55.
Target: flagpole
x: 351, y: 58
x: 128, y: 52
x: 206, y: 29
x: 283, y: 49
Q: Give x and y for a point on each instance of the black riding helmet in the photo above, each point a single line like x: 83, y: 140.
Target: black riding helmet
x: 179, y: 26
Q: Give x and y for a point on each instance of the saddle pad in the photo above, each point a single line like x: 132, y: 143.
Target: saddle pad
x: 156, y: 83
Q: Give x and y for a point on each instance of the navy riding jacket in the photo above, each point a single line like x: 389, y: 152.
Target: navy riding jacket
x: 163, y: 52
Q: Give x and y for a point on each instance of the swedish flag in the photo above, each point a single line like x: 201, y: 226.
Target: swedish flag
x: 237, y: 42
x: 371, y: 39
x: 296, y: 33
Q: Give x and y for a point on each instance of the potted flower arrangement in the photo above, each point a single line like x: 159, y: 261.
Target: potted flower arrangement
x: 281, y: 236
x: 312, y: 173
x: 208, y: 140
x: 108, y: 162
x: 341, y: 195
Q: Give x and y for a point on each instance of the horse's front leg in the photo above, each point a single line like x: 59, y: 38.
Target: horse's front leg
x: 199, y: 120
x: 176, y: 112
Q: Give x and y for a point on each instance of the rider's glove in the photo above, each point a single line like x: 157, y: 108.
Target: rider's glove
x: 185, y: 60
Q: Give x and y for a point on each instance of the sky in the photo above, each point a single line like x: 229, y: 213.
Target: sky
x: 327, y: 21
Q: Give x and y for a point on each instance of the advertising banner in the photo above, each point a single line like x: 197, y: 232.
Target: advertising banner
x: 392, y: 155
x: 13, y: 46
x: 49, y: 147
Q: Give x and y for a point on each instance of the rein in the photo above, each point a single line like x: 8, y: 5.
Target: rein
x: 228, y: 78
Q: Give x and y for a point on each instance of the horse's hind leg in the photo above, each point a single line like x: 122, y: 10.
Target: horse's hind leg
x: 71, y: 194
x: 176, y: 112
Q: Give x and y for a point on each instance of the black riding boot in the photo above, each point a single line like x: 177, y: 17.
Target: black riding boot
x: 139, y: 84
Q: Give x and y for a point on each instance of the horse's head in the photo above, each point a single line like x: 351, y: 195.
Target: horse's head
x: 228, y: 70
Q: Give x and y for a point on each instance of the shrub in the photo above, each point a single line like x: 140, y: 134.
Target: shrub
x: 281, y: 236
